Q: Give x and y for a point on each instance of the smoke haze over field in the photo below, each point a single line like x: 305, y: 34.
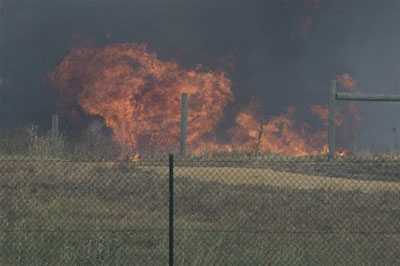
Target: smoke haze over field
x: 281, y: 52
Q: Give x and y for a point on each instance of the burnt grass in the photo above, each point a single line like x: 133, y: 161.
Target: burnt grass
x: 96, y: 213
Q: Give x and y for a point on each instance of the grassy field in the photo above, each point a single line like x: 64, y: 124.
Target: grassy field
x: 101, y: 213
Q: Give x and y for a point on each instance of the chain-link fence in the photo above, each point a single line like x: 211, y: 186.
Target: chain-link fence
x: 58, y: 212
x: 228, y: 210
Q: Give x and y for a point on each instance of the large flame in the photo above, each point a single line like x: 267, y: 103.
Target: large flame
x: 138, y: 96
x: 281, y: 134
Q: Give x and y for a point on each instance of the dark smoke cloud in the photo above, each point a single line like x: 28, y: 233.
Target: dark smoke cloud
x: 309, y: 8
x: 256, y: 41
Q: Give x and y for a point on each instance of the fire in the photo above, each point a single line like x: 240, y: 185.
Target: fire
x: 136, y: 158
x: 323, y: 113
x: 281, y: 134
x: 348, y: 82
x: 351, y: 85
x: 341, y: 153
x: 138, y: 96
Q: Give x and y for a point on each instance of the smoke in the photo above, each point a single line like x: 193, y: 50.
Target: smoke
x: 138, y: 96
x: 257, y: 43
x: 351, y: 85
x: 306, y: 19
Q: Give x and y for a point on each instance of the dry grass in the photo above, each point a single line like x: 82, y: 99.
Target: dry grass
x: 246, y: 176
x: 57, y: 212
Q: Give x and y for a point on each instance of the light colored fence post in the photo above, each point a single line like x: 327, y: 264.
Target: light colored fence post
x: 331, y: 132
x: 54, y: 136
x: 346, y: 96
x: 184, y: 114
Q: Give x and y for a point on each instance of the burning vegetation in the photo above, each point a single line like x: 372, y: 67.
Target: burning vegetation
x: 138, y: 97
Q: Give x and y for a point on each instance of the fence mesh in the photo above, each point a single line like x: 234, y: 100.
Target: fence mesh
x: 57, y: 212
x: 227, y: 211
x: 287, y: 212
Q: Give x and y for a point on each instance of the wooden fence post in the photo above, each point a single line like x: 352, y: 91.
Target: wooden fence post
x: 54, y: 136
x: 331, y: 132
x: 184, y: 114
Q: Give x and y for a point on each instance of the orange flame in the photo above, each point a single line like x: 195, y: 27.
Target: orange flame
x: 138, y: 96
x: 350, y: 84
x: 136, y: 158
x: 281, y: 134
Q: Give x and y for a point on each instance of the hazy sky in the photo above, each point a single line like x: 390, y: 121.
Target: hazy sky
x: 262, y: 44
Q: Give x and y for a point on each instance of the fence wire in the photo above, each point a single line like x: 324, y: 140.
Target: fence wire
x: 228, y: 210
x: 287, y: 211
x: 58, y: 212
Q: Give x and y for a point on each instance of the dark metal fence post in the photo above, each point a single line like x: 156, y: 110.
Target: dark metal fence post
x: 171, y: 210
